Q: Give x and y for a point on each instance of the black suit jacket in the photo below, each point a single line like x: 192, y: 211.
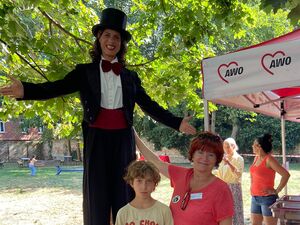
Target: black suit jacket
x: 85, y: 78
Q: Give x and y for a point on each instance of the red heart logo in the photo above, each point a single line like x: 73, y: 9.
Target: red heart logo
x: 268, y: 54
x: 225, y: 65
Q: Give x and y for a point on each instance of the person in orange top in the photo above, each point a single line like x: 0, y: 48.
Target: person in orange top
x: 262, y: 173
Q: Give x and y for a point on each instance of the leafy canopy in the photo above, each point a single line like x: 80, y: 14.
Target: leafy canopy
x: 44, y: 40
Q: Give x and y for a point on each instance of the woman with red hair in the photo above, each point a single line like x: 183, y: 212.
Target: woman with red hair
x: 199, y: 197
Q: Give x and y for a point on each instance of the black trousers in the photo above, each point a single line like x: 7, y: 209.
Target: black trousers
x: 108, y: 153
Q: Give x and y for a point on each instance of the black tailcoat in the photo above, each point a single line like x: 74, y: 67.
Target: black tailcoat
x: 85, y: 79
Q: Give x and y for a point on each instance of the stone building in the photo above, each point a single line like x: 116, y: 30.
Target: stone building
x: 16, y: 143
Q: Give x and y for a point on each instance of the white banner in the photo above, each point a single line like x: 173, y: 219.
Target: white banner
x: 252, y: 70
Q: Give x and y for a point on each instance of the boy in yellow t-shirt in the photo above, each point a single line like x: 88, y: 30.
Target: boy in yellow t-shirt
x: 143, y: 177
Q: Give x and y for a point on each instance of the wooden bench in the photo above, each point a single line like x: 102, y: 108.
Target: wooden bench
x: 59, y: 170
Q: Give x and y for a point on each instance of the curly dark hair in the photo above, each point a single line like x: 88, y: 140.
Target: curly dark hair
x: 96, y: 51
x: 265, y: 142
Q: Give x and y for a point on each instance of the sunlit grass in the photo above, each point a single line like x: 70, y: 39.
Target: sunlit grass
x: 19, y: 178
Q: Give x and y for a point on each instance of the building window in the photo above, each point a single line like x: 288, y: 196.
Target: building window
x: 2, y: 127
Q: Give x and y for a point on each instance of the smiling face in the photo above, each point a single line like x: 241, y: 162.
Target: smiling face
x: 143, y: 187
x: 110, y: 42
x: 209, y: 142
x: 204, y: 161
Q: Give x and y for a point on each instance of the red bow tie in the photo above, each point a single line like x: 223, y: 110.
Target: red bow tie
x: 115, y: 67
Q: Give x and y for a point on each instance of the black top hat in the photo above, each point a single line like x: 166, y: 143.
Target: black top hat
x: 113, y: 19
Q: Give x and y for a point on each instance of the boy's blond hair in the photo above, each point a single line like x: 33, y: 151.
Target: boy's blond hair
x: 142, y: 169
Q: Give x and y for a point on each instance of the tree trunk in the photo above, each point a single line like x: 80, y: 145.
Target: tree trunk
x: 69, y: 147
x: 78, y: 151
x: 235, y: 129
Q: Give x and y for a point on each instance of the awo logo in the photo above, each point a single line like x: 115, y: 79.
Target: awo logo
x: 232, y: 69
x: 272, y: 61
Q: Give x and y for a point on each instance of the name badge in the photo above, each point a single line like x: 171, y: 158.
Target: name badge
x: 196, y: 196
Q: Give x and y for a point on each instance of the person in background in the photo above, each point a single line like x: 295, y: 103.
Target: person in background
x: 230, y: 170
x: 262, y: 172
x: 143, y: 177
x: 199, y: 197
x: 31, y: 165
x: 108, y: 93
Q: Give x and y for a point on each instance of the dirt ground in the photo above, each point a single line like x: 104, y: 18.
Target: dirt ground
x: 45, y: 207
x: 40, y: 207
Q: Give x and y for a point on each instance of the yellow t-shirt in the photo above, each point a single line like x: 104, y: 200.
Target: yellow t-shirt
x: 226, y: 174
x: 158, y: 214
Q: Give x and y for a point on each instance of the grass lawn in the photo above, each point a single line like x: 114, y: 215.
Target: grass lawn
x: 59, y: 197
x: 14, y: 178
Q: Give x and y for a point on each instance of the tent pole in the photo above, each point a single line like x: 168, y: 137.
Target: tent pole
x: 285, y: 165
x: 206, y: 115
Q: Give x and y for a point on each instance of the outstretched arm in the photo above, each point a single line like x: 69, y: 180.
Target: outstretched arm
x: 157, y: 112
x: 14, y: 90
x: 150, y: 156
x: 186, y: 127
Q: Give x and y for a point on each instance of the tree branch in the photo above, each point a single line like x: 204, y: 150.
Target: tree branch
x: 63, y: 29
x: 50, y: 27
x: 26, y: 61
x: 42, y: 73
x: 163, y: 7
x: 175, y: 4
x: 145, y: 63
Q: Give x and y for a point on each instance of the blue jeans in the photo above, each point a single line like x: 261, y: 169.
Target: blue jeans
x: 32, y: 170
x: 261, y: 204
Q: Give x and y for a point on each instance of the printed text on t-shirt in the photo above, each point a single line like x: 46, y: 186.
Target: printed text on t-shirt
x: 143, y: 222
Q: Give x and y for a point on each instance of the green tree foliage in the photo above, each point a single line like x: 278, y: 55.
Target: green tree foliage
x: 264, y: 124
x: 228, y: 118
x: 259, y: 27
x: 43, y: 40
x: 162, y: 136
x: 178, y: 35
x: 293, y: 5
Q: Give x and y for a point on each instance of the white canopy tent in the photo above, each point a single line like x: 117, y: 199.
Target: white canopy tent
x: 263, y: 78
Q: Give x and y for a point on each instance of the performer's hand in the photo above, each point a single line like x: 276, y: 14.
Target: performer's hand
x: 185, y: 127
x: 14, y: 90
